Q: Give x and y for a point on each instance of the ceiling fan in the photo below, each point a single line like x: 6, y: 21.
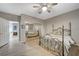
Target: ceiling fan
x: 44, y: 7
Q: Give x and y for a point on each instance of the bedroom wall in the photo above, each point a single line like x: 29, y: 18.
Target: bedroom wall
x: 9, y: 17
x: 64, y: 19
x: 30, y: 20
x: 4, y: 31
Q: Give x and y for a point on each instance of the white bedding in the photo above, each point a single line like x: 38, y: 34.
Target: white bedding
x: 67, y: 41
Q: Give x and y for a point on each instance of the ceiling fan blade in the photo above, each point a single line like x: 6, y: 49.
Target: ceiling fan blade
x: 54, y: 3
x: 39, y: 10
x: 49, y: 10
x: 41, y: 4
x: 36, y: 6
x: 50, y: 5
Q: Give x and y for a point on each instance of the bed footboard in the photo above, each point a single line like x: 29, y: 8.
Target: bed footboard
x: 51, y: 45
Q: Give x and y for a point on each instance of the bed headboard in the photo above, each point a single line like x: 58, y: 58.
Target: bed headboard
x: 67, y: 31
x: 58, y: 31
x: 63, y: 31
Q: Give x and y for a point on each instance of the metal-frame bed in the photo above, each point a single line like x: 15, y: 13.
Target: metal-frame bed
x: 54, y: 44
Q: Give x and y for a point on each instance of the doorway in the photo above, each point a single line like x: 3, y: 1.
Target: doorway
x: 32, y: 33
x: 13, y: 31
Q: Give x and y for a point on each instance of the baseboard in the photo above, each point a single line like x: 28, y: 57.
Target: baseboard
x: 3, y: 45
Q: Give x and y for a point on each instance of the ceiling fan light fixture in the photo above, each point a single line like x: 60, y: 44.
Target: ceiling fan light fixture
x: 39, y: 12
x: 44, y: 8
x: 49, y: 11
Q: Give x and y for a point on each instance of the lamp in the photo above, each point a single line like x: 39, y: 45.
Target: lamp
x: 44, y: 8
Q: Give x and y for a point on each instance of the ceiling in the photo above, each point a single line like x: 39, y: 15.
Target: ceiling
x: 27, y: 9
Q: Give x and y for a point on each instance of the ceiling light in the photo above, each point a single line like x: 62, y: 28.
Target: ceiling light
x: 44, y: 8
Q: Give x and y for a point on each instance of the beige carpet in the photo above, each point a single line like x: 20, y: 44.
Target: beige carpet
x: 30, y: 48
x: 74, y: 50
x: 38, y: 50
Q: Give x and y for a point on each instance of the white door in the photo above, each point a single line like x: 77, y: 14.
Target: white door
x: 4, y: 31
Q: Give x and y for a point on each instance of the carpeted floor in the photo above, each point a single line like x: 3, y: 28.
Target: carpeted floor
x: 30, y: 48
x: 74, y: 50
x: 34, y: 42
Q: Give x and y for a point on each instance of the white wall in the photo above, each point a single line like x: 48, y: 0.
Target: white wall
x: 9, y: 17
x: 64, y: 19
x: 4, y: 31
x: 31, y: 20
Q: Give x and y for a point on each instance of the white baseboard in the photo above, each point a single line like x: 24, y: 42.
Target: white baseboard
x: 3, y: 44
